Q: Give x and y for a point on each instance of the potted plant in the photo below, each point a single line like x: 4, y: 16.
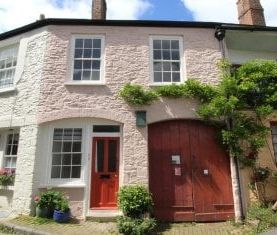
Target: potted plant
x: 6, y: 177
x: 46, y: 203
x: 62, y: 211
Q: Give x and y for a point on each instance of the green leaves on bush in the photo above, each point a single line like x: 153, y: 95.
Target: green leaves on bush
x: 131, y: 226
x: 266, y: 217
x: 137, y: 95
x: 134, y: 200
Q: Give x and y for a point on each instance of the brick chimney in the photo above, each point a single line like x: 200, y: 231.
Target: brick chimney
x: 99, y: 9
x: 251, y: 12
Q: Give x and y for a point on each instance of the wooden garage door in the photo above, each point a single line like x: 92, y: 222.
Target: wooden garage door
x: 189, y: 172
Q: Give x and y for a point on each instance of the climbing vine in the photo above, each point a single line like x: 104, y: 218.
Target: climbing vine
x: 240, y: 101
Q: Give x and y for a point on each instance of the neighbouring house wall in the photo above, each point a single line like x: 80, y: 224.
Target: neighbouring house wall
x: 18, y: 110
x: 127, y: 59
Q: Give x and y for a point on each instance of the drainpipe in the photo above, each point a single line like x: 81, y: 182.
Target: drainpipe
x: 234, y: 163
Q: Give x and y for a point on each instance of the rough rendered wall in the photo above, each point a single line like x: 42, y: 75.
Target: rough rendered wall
x: 19, y: 109
x: 127, y: 59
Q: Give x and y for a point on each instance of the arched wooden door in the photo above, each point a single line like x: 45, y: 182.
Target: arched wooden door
x: 189, y: 172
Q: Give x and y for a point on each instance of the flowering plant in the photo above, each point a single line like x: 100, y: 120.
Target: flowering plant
x: 6, y: 177
x: 48, y: 199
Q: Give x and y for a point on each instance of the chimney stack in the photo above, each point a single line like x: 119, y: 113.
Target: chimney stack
x: 99, y: 9
x: 251, y: 12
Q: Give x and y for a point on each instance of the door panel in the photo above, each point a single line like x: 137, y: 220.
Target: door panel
x: 189, y: 172
x: 104, y: 181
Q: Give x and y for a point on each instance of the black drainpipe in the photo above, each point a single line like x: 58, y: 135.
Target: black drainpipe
x: 220, y: 35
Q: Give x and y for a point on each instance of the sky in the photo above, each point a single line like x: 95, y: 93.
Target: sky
x: 17, y: 13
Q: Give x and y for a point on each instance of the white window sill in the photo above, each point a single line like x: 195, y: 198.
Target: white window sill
x: 82, y: 83
x: 8, y: 89
x: 64, y: 185
x: 8, y: 187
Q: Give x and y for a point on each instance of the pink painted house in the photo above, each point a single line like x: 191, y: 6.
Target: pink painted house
x: 63, y: 125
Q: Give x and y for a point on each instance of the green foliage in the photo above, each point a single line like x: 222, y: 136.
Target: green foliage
x: 48, y: 199
x: 134, y: 200
x: 6, y: 178
x: 260, y: 174
x: 62, y: 204
x: 173, y: 91
x: 133, y: 226
x: 137, y: 95
x: 266, y: 217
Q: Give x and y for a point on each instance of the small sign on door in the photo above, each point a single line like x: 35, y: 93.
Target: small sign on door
x: 175, y: 159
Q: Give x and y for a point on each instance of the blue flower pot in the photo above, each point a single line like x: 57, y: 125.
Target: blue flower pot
x: 61, y: 217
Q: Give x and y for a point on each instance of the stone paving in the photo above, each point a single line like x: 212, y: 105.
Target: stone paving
x: 33, y: 225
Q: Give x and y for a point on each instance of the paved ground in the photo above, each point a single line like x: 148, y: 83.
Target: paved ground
x: 32, y: 225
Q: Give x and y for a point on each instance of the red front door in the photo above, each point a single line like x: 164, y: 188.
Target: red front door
x: 105, y: 165
x: 189, y: 172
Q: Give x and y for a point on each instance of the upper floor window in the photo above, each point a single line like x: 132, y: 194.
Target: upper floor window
x: 166, y: 59
x: 87, y: 58
x: 10, y: 155
x: 274, y: 139
x: 8, y: 61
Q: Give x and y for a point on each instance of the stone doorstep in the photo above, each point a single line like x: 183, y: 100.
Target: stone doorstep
x: 22, y: 229
x: 103, y: 215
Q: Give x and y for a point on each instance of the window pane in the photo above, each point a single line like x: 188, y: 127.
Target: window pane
x: 10, y: 139
x: 14, y: 150
x: 175, y: 55
x: 95, y: 75
x: 157, y: 66
x: 112, y: 156
x: 96, y: 53
x: 76, y: 147
x: 55, y: 172
x: 157, y: 77
x: 66, y: 159
x: 166, y: 44
x: 8, y: 149
x: 100, y: 156
x: 78, y: 53
x: 66, y: 172
x: 166, y: 55
x: 79, y: 43
x: 77, y: 75
x: 13, y: 163
x: 88, y: 43
x: 106, y: 128
x: 76, y: 172
x: 57, y: 159
x: 157, y: 44
x: 8, y: 162
x: 157, y: 54
x: 2, y: 64
x: 167, y: 77
x: 67, y: 147
x: 87, y: 53
x: 176, y: 77
x: 274, y: 130
x: 97, y: 43
x: 87, y: 64
x: 15, y: 138
x: 77, y: 64
x: 57, y: 147
x: 166, y: 66
x: 86, y: 75
x: 96, y: 64
x: 175, y: 66
x: 174, y: 44
x: 76, y: 159
x: 77, y: 134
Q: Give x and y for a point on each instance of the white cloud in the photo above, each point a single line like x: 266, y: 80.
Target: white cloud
x: 226, y: 10
x: 16, y: 13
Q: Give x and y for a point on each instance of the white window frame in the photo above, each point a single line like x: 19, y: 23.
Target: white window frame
x: 5, y: 149
x: 13, y: 46
x: 101, y: 81
x: 181, y: 50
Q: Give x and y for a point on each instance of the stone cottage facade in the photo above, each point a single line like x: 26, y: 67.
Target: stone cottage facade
x: 63, y: 125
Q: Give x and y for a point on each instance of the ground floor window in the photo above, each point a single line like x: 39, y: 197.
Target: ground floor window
x: 10, y: 155
x: 66, y: 153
